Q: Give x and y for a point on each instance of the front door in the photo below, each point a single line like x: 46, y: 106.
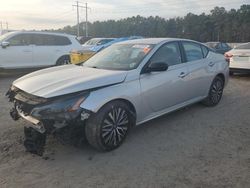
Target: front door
x: 161, y: 90
x: 19, y: 53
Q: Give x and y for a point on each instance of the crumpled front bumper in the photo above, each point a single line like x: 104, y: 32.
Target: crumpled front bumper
x: 44, y: 115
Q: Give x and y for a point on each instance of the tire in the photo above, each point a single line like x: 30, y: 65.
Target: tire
x: 103, y: 130
x: 64, y: 60
x: 231, y: 73
x: 215, y: 92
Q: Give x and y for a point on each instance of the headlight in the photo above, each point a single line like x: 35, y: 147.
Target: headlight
x: 62, y: 107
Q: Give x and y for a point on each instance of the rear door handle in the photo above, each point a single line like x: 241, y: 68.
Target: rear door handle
x: 182, y: 75
x: 211, y: 64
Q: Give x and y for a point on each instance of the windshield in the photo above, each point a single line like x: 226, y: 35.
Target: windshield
x: 119, y: 57
x: 91, y: 42
x: 2, y: 37
x: 243, y: 46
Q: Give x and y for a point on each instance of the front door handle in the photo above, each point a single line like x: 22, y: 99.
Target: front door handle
x: 211, y: 64
x: 182, y: 75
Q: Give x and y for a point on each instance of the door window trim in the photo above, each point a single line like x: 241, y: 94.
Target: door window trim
x: 196, y: 43
x: 166, y: 43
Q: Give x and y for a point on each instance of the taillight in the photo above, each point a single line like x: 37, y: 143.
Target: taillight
x: 228, y: 56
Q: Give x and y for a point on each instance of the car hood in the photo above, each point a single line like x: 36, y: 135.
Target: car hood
x: 67, y: 79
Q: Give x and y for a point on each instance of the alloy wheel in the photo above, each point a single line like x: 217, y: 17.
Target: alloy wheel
x: 216, y: 92
x: 115, y: 127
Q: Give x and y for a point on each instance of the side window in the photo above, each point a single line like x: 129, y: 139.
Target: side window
x: 50, y: 40
x: 204, y: 50
x: 61, y: 41
x: 224, y: 45
x: 168, y: 53
x: 42, y: 40
x: 20, y: 40
x: 218, y: 46
x: 193, y: 51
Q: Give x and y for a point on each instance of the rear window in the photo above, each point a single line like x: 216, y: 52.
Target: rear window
x: 193, y: 51
x: 243, y: 46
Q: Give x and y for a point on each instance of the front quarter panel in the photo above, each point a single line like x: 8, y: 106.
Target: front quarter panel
x: 128, y: 90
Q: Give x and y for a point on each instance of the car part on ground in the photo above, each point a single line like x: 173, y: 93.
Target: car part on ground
x: 126, y: 84
x: 239, y: 59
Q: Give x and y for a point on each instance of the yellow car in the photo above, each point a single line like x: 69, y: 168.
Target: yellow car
x: 77, y: 57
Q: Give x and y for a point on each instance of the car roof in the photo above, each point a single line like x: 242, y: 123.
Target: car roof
x: 153, y: 40
x: 43, y: 32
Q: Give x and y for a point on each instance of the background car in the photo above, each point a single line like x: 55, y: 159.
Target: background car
x: 124, y: 85
x: 29, y: 49
x: 239, y: 59
x: 79, y: 56
x: 96, y: 42
x: 220, y: 47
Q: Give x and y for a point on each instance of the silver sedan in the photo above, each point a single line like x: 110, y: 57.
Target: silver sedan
x: 124, y: 85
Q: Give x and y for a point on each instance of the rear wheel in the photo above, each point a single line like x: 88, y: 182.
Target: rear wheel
x: 215, y: 92
x: 64, y: 60
x: 108, y: 129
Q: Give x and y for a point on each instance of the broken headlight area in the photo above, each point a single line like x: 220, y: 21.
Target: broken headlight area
x: 59, y: 116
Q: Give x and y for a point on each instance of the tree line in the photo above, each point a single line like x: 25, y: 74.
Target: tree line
x: 219, y: 25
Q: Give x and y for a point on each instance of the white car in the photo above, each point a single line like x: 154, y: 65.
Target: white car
x: 31, y: 49
x: 239, y: 58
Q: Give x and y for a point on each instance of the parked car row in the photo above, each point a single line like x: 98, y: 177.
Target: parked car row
x: 122, y: 86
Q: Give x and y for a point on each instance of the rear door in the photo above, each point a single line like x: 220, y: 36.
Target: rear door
x: 44, y: 50
x: 200, y: 68
x: 19, y: 53
x: 161, y: 90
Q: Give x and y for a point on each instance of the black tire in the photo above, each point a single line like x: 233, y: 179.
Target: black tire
x: 103, y: 130
x: 64, y: 60
x: 231, y: 73
x: 215, y: 92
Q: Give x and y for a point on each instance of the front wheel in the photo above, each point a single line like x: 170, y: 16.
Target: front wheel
x: 108, y: 129
x: 215, y: 92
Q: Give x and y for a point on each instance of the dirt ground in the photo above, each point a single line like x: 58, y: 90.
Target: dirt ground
x: 195, y: 147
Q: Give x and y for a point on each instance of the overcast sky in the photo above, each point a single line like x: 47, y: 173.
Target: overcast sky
x: 47, y: 14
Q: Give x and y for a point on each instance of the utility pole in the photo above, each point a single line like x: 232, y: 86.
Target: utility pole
x: 86, y: 22
x: 7, y: 26
x: 1, y: 26
x: 77, y: 17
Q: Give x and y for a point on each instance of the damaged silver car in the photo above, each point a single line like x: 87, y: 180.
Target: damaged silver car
x: 124, y: 85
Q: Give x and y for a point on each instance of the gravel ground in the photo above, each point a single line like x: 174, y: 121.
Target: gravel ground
x: 194, y: 147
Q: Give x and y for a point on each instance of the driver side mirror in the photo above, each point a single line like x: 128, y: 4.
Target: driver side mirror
x: 156, y: 67
x: 4, y: 44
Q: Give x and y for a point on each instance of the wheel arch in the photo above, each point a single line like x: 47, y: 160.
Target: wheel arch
x: 126, y: 101
x: 222, y: 76
x: 61, y: 57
